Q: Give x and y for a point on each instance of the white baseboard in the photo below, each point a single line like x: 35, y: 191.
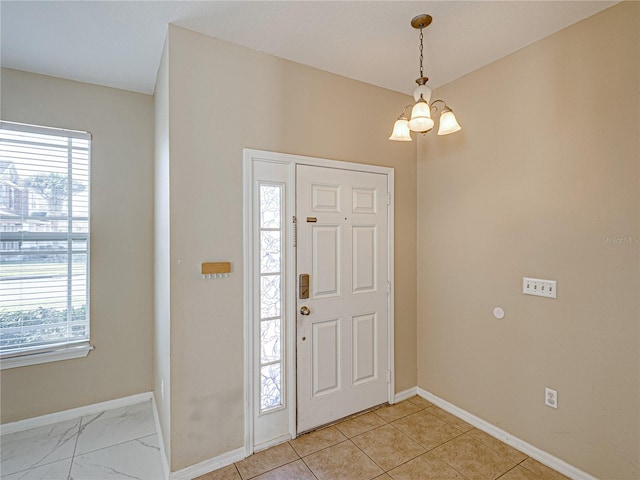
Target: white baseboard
x: 70, y: 414
x: 400, y: 396
x: 534, y: 452
x: 210, y: 465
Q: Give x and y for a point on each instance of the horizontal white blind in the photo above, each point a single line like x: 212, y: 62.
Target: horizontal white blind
x: 44, y: 238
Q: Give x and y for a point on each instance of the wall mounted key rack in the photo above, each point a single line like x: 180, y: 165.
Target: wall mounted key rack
x: 216, y: 269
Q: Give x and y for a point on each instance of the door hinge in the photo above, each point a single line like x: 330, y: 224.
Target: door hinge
x: 388, y: 288
x: 388, y: 376
x: 295, y: 232
x: 388, y: 198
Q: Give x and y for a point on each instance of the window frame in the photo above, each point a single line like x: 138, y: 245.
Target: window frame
x: 66, y: 349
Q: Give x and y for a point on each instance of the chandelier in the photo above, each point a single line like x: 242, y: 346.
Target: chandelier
x: 420, y: 120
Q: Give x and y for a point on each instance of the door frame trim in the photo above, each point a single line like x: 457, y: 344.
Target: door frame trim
x: 249, y: 157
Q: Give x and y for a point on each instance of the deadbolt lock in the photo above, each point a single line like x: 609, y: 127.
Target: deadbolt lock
x: 303, y: 286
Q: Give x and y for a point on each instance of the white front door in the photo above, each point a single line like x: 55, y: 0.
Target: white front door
x: 342, y: 332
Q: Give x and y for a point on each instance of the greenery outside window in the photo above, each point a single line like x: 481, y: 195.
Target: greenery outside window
x: 44, y: 244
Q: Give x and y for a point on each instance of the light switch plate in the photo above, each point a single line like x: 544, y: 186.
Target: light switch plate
x: 539, y: 287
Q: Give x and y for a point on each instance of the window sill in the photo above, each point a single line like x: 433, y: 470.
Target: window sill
x: 75, y: 351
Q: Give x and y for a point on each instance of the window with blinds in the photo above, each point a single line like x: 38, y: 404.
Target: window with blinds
x: 44, y: 240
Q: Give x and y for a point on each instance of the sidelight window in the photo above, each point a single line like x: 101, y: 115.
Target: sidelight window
x: 271, y: 232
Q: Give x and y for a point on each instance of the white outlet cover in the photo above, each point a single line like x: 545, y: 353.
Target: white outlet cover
x: 550, y: 398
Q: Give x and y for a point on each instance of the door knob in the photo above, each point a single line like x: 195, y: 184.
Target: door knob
x: 304, y: 310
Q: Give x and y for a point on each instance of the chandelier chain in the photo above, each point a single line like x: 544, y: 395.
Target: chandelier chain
x: 421, y: 36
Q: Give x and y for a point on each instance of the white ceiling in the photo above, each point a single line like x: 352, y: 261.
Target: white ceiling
x: 119, y: 43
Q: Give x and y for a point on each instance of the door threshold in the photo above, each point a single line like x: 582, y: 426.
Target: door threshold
x: 348, y: 417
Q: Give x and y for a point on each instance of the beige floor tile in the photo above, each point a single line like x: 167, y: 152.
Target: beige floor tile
x: 426, y: 429
x: 473, y: 459
x: 312, y: 442
x: 229, y: 472
x: 360, y: 424
x: 519, y: 473
x: 383, y: 477
x: 266, y: 460
x: 399, y: 410
x: 420, y: 402
x: 425, y: 467
x: 542, y: 470
x: 500, y: 447
x: 450, y: 419
x: 343, y: 461
x: 291, y: 471
x: 387, y: 446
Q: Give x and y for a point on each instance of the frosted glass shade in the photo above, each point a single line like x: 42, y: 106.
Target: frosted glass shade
x: 421, y: 117
x: 422, y: 91
x: 401, y: 131
x: 448, y: 123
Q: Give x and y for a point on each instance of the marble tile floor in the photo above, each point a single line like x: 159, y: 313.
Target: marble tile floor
x: 121, y: 443
x: 411, y: 440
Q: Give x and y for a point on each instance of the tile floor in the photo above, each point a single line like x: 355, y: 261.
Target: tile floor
x: 411, y: 440
x: 115, y: 444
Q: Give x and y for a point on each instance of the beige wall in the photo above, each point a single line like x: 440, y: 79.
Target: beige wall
x: 121, y: 124
x: 223, y: 98
x: 544, y: 182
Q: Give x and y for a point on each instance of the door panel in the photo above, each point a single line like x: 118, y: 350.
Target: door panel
x: 364, y: 259
x: 342, y: 341
x: 326, y: 357
x: 326, y: 198
x: 364, y: 348
x: 364, y: 200
x: 325, y: 248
